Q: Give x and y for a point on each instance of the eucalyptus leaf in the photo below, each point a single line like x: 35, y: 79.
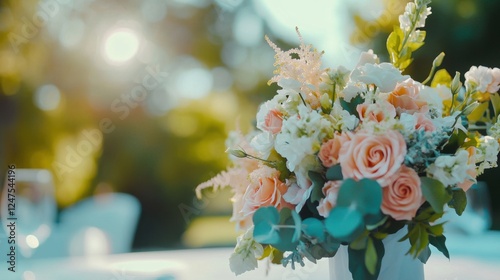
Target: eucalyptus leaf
x: 364, y: 195
x: 265, y: 222
x: 314, y: 228
x: 334, y: 173
x: 344, y: 223
x: 317, y: 185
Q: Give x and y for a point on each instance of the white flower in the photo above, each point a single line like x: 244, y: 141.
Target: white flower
x: 433, y: 99
x: 408, y: 121
x: 483, y: 79
x: 246, y: 252
x: 263, y: 143
x: 405, y: 22
x: 301, y: 135
x: 451, y: 170
x: 486, y: 153
x: 367, y: 57
x: 384, y: 75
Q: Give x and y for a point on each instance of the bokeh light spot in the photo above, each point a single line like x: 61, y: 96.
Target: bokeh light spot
x: 47, y: 97
x: 121, y: 45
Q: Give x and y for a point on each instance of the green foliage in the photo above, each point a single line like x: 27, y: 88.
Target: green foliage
x: 279, y: 229
x: 314, y: 228
x: 265, y: 222
x: 435, y: 193
x: 317, y: 185
x: 365, y: 263
x: 458, y: 201
x: 356, y: 200
x: 334, y: 173
x: 351, y: 106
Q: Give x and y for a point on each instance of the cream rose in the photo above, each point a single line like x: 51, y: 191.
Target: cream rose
x: 329, y: 151
x: 403, y: 196
x: 376, y: 157
x: 330, y: 190
x: 273, y: 121
x: 266, y: 190
x: 406, y: 98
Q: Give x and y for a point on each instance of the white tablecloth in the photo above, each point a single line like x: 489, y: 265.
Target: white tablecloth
x: 471, y: 259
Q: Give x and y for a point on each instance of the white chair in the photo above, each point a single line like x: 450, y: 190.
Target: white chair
x: 101, y: 224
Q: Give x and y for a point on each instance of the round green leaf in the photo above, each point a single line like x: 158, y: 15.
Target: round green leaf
x: 344, y: 223
x: 364, y: 195
x: 314, y: 228
x: 265, y: 222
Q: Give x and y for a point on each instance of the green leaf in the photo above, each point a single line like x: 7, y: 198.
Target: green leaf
x: 435, y: 193
x: 317, y: 185
x: 334, y: 173
x: 437, y: 229
x: 351, y: 106
x: 297, y: 222
x: 458, y: 201
x: 373, y: 221
x: 439, y: 243
x: 371, y: 257
x: 495, y: 102
x: 360, y: 242
x: 364, y: 195
x: 289, y: 230
x: 424, y: 255
x: 442, y: 77
x: 314, y: 228
x: 358, y: 261
x: 265, y: 222
x: 344, y: 223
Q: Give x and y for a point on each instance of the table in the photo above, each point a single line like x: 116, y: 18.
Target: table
x: 471, y: 259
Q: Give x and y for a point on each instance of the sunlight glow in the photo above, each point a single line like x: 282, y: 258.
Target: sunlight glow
x: 121, y: 45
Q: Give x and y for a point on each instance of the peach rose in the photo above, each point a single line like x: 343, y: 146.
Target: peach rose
x: 329, y: 151
x: 330, y: 190
x: 405, y: 97
x: 376, y: 157
x: 472, y: 172
x: 376, y: 112
x: 403, y: 196
x: 273, y: 121
x: 424, y: 122
x: 264, y: 191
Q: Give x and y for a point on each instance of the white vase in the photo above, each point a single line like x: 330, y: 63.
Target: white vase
x: 395, y: 264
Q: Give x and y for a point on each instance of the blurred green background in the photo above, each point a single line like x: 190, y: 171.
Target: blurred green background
x: 138, y: 96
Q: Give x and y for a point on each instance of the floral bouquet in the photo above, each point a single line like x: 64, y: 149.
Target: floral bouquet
x: 349, y: 157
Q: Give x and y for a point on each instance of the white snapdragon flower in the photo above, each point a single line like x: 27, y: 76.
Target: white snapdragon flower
x: 483, y: 79
x: 451, y: 170
x: 301, y: 135
x: 405, y: 22
x: 384, y: 75
x: 246, y: 252
x: 343, y: 120
x: 486, y: 153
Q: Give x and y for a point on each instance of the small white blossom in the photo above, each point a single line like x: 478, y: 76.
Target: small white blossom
x: 451, y: 170
x: 405, y: 20
x: 384, y: 75
x: 486, y: 153
x: 483, y: 79
x: 301, y: 135
x: 246, y: 252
